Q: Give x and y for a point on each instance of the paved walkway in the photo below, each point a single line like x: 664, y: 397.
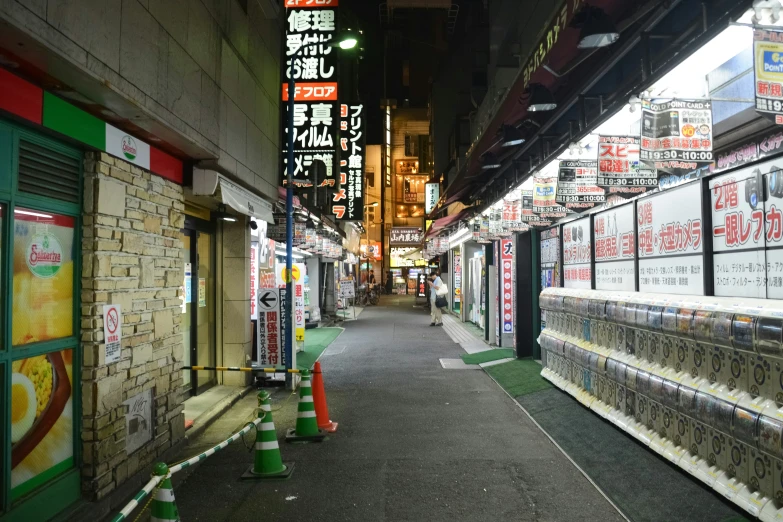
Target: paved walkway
x: 416, y: 442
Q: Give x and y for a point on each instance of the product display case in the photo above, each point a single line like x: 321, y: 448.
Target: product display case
x: 699, y: 380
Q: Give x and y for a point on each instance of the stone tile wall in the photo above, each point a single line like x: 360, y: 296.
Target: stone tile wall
x: 132, y: 256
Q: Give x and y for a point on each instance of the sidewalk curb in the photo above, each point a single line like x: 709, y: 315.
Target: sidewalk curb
x: 202, y: 422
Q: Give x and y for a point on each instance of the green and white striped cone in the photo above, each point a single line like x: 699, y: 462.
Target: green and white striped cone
x: 267, y: 463
x: 306, y: 422
x: 163, y: 509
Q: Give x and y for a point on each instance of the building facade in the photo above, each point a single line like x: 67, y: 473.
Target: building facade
x: 139, y: 140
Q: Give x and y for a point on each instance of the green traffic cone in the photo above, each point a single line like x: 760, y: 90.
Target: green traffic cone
x: 164, y: 509
x: 306, y: 422
x: 268, y: 463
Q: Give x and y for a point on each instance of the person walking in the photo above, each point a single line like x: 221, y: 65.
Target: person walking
x: 436, y: 314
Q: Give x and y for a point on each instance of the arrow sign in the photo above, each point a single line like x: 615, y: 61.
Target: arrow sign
x: 267, y: 299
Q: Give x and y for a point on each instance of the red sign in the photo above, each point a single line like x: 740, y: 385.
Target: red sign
x: 507, y: 285
x: 312, y: 91
x: 310, y: 3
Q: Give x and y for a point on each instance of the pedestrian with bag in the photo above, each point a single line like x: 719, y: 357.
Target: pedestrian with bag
x: 438, y: 291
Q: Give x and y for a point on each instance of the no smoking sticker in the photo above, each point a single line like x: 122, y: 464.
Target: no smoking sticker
x: 112, y: 332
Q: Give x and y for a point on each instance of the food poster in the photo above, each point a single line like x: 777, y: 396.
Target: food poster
x: 43, y: 276
x: 41, y: 420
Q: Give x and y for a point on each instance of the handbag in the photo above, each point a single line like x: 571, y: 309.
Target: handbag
x: 442, y: 290
x: 441, y: 301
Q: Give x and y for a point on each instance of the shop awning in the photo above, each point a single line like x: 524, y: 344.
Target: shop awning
x: 207, y: 182
x: 443, y: 222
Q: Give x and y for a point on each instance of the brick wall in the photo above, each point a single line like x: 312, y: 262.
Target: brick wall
x: 132, y: 256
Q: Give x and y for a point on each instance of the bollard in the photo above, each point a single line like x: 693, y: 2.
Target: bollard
x: 267, y: 462
x: 306, y: 423
x: 164, y: 508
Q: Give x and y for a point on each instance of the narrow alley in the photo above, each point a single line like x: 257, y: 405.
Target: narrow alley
x: 415, y: 442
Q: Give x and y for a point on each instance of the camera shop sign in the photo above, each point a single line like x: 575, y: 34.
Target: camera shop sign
x: 768, y: 69
x: 348, y: 199
x: 577, y: 252
x: 676, y: 135
x: 747, y: 232
x: 312, y: 63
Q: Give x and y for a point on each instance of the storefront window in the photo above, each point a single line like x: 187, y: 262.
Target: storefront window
x: 43, y: 276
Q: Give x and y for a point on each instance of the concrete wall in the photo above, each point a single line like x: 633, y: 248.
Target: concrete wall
x: 132, y: 256
x: 235, y: 295
x: 203, y: 75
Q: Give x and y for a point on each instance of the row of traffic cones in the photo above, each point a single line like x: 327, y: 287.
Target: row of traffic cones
x: 312, y: 425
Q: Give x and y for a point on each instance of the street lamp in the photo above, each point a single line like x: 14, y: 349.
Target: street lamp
x: 343, y: 41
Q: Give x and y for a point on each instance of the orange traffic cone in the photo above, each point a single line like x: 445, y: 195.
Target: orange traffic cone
x: 319, y: 398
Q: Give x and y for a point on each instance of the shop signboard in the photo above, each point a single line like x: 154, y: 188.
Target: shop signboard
x: 187, y: 288
x: 348, y: 199
x: 400, y: 236
x: 269, y: 327
x: 619, y: 170
x: 476, y: 230
x: 577, y: 252
x: 457, y: 277
x: 313, y: 65
x: 253, y: 279
x: 422, y: 285
x: 432, y: 195
x: 670, y: 241
x: 768, y: 69
x: 506, y: 292
x: 112, y: 332
x: 576, y: 184
x: 615, y: 249
x: 347, y: 288
x: 299, y: 309
x: 550, y: 257
x: 676, y: 135
x: 527, y: 215
x: 495, y: 222
x: 544, y: 193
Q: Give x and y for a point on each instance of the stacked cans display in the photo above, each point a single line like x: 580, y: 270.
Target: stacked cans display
x: 698, y: 380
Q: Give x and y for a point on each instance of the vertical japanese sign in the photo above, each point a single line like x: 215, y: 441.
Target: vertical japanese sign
x: 506, y: 290
x: 619, y: 169
x: 748, y: 232
x: 112, y: 332
x: 670, y: 241
x: 432, y: 195
x: 577, y: 252
x: 299, y: 306
x: 615, y: 249
x: 457, y: 278
x: 269, y: 328
x: 544, y: 192
x: 576, y: 184
x: 768, y: 68
x: 676, y: 135
x: 253, y: 280
x: 550, y: 257
x: 348, y: 200
x: 312, y: 63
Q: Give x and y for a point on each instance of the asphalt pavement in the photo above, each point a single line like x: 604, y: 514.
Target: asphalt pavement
x: 415, y: 442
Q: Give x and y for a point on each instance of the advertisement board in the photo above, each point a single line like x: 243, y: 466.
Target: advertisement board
x: 619, y: 169
x: 550, y: 257
x: 544, y: 197
x: 576, y: 184
x: 577, y: 252
x: 768, y: 69
x: 269, y: 328
x: 506, y: 291
x: 615, y: 248
x: 670, y: 241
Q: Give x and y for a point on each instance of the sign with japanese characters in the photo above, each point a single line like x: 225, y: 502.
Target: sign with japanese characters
x: 577, y: 252
x: 348, y: 200
x: 312, y: 63
x: 768, y: 68
x: 676, y: 135
x: 615, y: 249
x: 576, y: 184
x: 299, y: 306
x: 544, y: 192
x: 506, y: 291
x: 112, y: 332
x: 400, y: 236
x: 550, y: 257
x: 269, y: 326
x: 670, y: 241
x: 432, y: 195
x: 527, y: 215
x: 253, y: 279
x: 747, y: 228
x: 619, y: 169
x: 457, y: 277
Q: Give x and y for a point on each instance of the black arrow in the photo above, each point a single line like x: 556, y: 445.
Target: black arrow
x: 266, y: 298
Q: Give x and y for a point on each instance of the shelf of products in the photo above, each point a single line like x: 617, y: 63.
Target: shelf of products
x: 699, y: 380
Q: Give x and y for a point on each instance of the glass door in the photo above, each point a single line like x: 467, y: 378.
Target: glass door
x: 198, y: 309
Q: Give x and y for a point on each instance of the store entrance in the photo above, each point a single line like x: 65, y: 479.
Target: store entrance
x: 198, y: 314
